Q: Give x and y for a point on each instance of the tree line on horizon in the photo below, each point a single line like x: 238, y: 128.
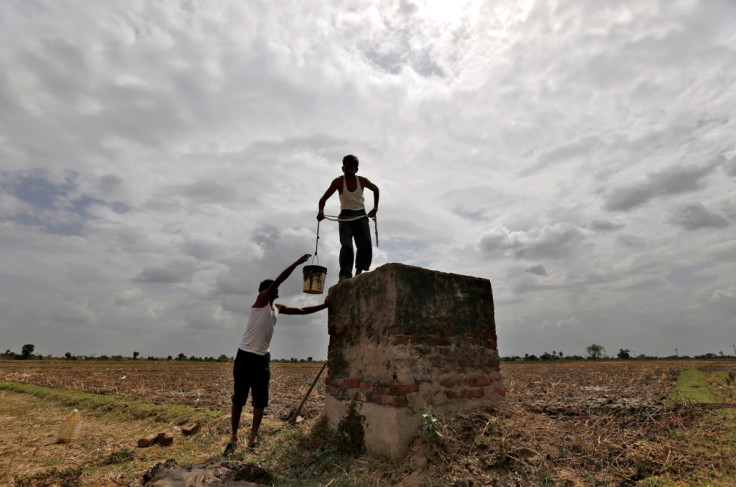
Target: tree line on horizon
x: 598, y: 352
x: 27, y: 354
x: 592, y: 352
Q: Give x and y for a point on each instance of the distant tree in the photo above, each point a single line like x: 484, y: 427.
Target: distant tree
x: 135, y: 355
x: 26, y: 351
x: 595, y: 351
x: 623, y: 354
x: 223, y: 358
x: 68, y: 355
x: 309, y: 359
x: 181, y: 356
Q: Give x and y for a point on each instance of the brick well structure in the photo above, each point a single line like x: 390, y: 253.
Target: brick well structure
x: 403, y: 338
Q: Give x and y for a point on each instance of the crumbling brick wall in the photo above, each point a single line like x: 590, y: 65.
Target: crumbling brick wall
x: 403, y: 338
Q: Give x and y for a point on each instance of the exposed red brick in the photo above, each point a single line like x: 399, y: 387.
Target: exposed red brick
x: 374, y: 398
x: 400, y: 340
x: 451, y: 394
x: 351, y: 383
x: 442, y: 341
x: 403, y: 389
x: 165, y: 438
x: 359, y: 396
x: 447, y: 383
x: 380, y: 390
x: 395, y: 401
x: 147, y: 441
x: 190, y: 429
x: 428, y: 400
x: 366, y: 386
x: 474, y: 393
x: 501, y: 392
x: 330, y: 389
x: 483, y: 380
x: 493, y: 344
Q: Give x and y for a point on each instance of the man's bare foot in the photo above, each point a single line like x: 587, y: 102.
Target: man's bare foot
x: 230, y: 448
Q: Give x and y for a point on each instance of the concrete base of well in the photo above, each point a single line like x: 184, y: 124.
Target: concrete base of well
x: 403, y: 340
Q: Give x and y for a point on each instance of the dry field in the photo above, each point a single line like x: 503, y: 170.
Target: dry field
x: 563, y: 423
x: 198, y: 384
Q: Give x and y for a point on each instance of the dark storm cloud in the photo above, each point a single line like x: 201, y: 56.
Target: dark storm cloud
x: 696, y: 216
x: 674, y: 180
x: 549, y: 242
x: 538, y: 270
x: 171, y: 273
x: 605, y: 225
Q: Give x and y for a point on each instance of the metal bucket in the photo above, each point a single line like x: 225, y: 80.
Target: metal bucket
x: 314, y: 279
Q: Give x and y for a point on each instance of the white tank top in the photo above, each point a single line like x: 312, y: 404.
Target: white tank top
x: 259, y: 330
x: 352, y: 200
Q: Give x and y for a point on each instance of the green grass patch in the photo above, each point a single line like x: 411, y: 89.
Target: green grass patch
x: 713, y: 436
x: 694, y: 386
x: 116, y: 406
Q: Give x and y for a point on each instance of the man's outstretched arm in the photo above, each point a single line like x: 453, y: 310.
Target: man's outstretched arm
x: 287, y: 272
x: 264, y: 297
x: 302, y: 311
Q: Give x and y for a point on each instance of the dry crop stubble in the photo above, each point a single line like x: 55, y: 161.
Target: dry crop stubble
x: 563, y: 423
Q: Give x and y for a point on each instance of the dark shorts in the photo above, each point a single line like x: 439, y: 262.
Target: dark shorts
x: 251, y: 373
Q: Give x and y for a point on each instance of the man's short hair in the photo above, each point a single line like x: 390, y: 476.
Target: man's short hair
x: 350, y: 159
x: 264, y: 285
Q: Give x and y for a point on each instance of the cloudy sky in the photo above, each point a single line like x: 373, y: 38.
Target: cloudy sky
x: 159, y: 158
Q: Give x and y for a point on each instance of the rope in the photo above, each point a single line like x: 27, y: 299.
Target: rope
x: 336, y: 218
x: 316, y: 246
